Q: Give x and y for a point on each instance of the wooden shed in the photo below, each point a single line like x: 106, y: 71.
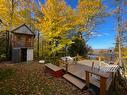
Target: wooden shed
x: 22, y: 43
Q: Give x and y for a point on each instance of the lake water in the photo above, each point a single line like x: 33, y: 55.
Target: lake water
x: 108, y: 57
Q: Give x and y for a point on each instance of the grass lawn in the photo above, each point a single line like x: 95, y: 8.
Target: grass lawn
x: 29, y: 79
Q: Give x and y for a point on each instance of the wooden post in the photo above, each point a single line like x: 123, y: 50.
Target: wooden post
x: 92, y: 65
x: 7, y: 44
x: 87, y: 79
x: 66, y: 65
x: 38, y: 45
x: 102, y: 86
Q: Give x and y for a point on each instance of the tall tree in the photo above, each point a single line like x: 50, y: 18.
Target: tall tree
x: 59, y: 19
x: 87, y: 10
x: 120, y: 47
x: 15, y: 12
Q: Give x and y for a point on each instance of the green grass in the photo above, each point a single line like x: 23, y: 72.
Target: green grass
x: 5, y: 73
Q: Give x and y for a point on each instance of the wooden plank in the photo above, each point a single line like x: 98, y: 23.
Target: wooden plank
x: 87, y: 79
x: 102, y: 86
x: 53, y: 67
x: 78, y: 83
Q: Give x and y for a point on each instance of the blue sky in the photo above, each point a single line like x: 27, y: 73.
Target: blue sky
x: 105, y: 31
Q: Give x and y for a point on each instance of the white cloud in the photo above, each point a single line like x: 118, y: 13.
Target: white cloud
x: 98, y: 34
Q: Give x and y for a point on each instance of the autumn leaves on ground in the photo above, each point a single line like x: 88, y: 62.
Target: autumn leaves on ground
x: 30, y: 79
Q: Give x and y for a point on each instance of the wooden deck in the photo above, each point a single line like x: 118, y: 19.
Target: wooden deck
x: 93, y: 73
x: 79, y: 71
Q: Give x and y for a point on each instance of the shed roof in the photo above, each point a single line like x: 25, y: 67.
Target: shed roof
x: 23, y: 29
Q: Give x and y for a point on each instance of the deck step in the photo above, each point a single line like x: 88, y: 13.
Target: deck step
x: 77, y: 82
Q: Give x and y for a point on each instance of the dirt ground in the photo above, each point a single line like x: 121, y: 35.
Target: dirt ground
x: 30, y: 79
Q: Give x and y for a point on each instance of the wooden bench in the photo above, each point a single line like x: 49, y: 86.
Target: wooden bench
x: 54, y: 70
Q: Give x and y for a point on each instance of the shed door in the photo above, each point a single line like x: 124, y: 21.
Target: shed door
x: 23, y: 54
x: 29, y: 54
x: 16, y: 55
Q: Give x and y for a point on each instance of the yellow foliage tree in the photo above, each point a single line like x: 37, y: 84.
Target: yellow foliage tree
x: 7, y: 12
x: 55, y: 23
x: 124, y: 53
x: 86, y: 11
x: 14, y: 13
x: 58, y: 19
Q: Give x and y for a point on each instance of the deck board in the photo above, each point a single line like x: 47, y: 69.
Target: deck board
x: 53, y: 67
x: 78, y: 83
